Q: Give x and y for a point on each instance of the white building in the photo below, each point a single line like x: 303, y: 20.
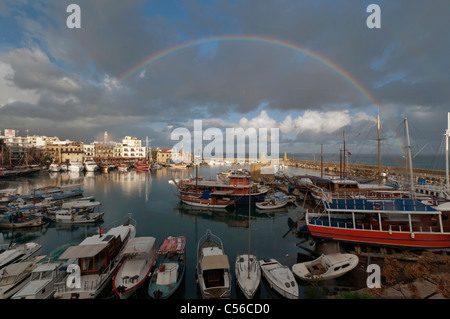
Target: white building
x: 132, y: 148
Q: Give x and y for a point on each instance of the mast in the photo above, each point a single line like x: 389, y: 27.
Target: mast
x: 409, y: 156
x: 249, y: 208
x: 343, y: 167
x: 447, y: 135
x: 379, y: 149
x: 321, y: 161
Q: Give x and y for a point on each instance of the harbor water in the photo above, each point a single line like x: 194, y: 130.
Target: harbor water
x: 150, y: 198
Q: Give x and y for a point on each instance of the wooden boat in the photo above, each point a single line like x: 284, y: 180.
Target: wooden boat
x: 396, y: 222
x: 213, y: 268
x: 142, y: 166
x: 325, y: 267
x: 280, y: 278
x: 208, y: 199
x: 138, y: 260
x: 170, y: 268
x: 246, y: 268
x: 18, y: 219
x: 13, y: 277
x: 97, y: 258
x: 237, y: 188
x: 278, y: 200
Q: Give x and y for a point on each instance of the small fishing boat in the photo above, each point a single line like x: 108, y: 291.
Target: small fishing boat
x: 123, y: 167
x: 246, y: 268
x: 280, y: 278
x: 213, y: 268
x: 18, y: 219
x: 248, y: 274
x: 170, y: 268
x: 278, y: 200
x: 72, y: 216
x: 142, y: 166
x: 325, y: 267
x: 138, y: 259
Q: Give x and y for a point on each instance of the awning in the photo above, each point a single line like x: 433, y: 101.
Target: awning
x: 83, y: 251
x: 215, y: 262
x: 139, y: 245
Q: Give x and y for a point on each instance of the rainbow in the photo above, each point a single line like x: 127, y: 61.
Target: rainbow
x: 255, y: 39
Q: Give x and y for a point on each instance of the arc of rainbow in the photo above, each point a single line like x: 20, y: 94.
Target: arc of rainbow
x: 255, y: 39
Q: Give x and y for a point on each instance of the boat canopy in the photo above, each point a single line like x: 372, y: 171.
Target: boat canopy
x: 139, y: 245
x: 215, y: 262
x: 83, y: 251
x: 172, y: 244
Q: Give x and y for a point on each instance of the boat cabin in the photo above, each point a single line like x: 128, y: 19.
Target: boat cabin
x: 95, y: 253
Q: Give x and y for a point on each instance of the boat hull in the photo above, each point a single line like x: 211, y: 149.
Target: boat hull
x: 377, y: 237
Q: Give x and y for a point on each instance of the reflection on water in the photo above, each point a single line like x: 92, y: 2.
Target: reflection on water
x: 150, y: 198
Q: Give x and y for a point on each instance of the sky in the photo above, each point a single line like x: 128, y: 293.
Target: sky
x: 312, y: 69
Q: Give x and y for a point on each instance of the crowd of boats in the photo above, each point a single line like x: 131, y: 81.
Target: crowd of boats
x: 128, y: 263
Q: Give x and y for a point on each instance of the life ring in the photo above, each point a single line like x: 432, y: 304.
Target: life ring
x: 377, y: 206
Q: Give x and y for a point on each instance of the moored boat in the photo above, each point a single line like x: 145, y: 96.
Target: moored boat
x: 277, y: 200
x: 396, y: 222
x: 208, y: 199
x: 325, y: 267
x: 97, y: 258
x: 138, y: 259
x: 213, y: 268
x: 280, y: 278
x: 170, y: 268
x: 248, y: 274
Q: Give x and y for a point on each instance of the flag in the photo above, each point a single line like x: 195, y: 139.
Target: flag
x: 349, y: 154
x: 100, y: 230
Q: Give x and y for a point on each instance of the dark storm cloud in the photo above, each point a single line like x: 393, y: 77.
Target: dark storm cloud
x: 75, y: 73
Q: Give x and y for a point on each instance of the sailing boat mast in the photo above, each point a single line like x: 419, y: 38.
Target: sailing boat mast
x: 409, y: 156
x: 343, y: 169
x: 447, y: 135
x: 379, y: 149
x: 249, y: 208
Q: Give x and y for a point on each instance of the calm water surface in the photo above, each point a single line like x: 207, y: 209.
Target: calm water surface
x: 150, y: 198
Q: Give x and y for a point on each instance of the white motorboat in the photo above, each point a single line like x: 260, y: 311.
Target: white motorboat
x: 49, y: 270
x: 91, y: 166
x: 72, y: 216
x: 93, y: 277
x: 7, y: 195
x: 76, y: 167
x: 64, y: 167
x: 13, y: 277
x: 23, y: 252
x: 280, y: 278
x: 325, y: 267
x: 54, y: 167
x: 213, y: 268
x: 139, y: 257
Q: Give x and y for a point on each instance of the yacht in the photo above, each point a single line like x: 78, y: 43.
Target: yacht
x: 91, y: 166
x: 76, y: 167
